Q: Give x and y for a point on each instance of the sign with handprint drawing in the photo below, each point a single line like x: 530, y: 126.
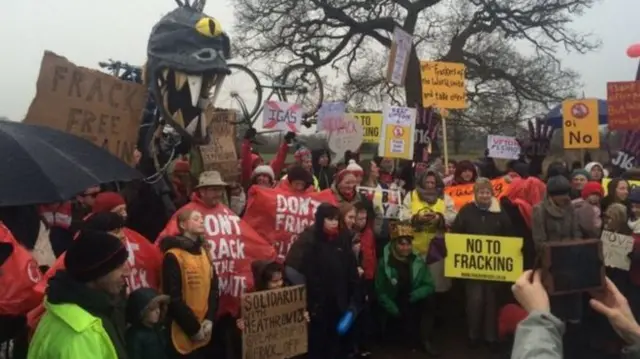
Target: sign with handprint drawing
x: 538, y: 143
x: 427, y: 126
x: 580, y: 124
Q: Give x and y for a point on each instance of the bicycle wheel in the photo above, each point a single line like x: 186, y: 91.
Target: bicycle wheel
x: 241, y: 82
x: 307, y: 87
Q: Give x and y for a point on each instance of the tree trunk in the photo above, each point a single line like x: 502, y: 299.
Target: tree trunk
x: 413, y: 80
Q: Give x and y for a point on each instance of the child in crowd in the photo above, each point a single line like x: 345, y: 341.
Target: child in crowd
x: 146, y: 338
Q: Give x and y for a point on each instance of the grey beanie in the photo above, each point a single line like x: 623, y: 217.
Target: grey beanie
x: 558, y: 186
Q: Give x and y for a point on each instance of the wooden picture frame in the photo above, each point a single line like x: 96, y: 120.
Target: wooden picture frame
x: 572, y: 266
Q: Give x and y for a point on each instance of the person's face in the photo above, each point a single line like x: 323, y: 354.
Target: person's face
x: 578, y: 182
x: 113, y: 282
x: 635, y: 208
x: 195, y: 223
x: 451, y: 167
x: 596, y: 173
x: 350, y: 219
x: 348, y: 184
x: 331, y: 224
x: 563, y: 200
x: 361, y: 220
x: 121, y: 210
x: 276, y: 281
x: 88, y: 197
x: 152, y: 317
x: 594, y: 200
x: 359, y: 178
x: 483, y: 196
x: 307, y: 164
x: 467, y: 175
x: 429, y: 182
x: 298, y: 186
x: 323, y: 160
x: 386, y: 164
x: 403, y: 247
x: 263, y: 181
x: 211, y: 196
x: 622, y: 190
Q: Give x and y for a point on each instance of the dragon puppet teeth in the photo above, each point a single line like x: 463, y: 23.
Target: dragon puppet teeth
x: 179, y: 120
x: 195, y: 86
x: 181, y: 79
x: 217, y: 83
x: 191, y: 128
x: 165, y: 74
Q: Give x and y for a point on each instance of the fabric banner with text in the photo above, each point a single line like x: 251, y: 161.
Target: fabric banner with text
x: 280, y: 216
x: 90, y: 104
x: 477, y: 257
x: 463, y: 194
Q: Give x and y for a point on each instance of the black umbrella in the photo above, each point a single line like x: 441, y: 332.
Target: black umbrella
x: 42, y: 165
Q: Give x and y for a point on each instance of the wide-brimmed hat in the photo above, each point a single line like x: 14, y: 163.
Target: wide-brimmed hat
x: 210, y: 179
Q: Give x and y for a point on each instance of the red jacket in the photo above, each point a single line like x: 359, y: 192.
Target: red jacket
x: 368, y: 251
x: 247, y: 162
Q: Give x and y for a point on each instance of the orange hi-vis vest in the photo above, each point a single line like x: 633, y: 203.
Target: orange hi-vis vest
x: 197, y: 272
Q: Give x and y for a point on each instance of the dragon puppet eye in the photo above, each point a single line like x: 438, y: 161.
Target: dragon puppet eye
x: 209, y: 27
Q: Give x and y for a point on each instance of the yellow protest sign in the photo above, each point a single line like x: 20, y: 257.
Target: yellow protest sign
x: 580, y: 124
x: 443, y: 85
x: 371, y: 124
x: 492, y: 258
x: 605, y: 184
x: 398, y: 131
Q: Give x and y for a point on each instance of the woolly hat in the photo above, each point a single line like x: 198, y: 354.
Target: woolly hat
x: 263, y: 170
x: 558, y: 185
x: 590, y: 166
x: 93, y: 255
x: 107, y: 201
x: 508, y: 319
x: 580, y: 172
x: 634, y: 195
x: 592, y: 187
x: 354, y: 167
x: 301, y: 154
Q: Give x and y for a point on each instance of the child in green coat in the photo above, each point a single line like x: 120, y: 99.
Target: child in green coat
x: 404, y: 288
x: 146, y: 338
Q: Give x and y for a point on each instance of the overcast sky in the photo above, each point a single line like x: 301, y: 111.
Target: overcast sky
x: 90, y: 31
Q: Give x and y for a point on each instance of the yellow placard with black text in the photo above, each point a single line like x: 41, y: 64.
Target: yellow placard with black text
x: 580, y: 124
x: 491, y: 258
x: 443, y: 84
x: 371, y: 124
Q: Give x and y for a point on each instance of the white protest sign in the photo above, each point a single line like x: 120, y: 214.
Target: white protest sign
x: 399, y: 56
x: 503, y: 147
x: 398, y: 115
x: 385, y: 201
x: 615, y: 249
x: 282, y: 116
x: 348, y: 137
x: 330, y: 116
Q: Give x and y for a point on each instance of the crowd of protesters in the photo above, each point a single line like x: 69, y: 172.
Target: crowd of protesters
x: 117, y: 292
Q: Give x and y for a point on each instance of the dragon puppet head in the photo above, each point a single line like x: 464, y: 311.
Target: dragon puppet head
x: 187, y: 57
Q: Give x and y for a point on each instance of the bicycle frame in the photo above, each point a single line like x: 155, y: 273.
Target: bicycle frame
x: 276, y: 89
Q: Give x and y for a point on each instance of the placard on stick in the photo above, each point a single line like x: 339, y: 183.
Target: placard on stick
x: 275, y: 327
x: 623, y: 105
x: 443, y: 85
x: 220, y: 155
x: 90, y: 104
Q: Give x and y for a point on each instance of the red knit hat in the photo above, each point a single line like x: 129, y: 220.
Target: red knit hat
x: 592, y: 187
x: 107, y: 201
x: 508, y: 319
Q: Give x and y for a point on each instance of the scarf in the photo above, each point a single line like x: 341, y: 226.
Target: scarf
x: 427, y: 195
x: 330, y: 234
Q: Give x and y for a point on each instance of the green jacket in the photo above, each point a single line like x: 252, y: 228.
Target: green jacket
x: 79, y: 323
x: 145, y: 342
x: 386, y: 282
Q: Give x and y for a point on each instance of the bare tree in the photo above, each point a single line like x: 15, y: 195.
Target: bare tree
x: 510, y: 47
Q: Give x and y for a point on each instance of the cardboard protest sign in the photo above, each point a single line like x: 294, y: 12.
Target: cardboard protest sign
x: 275, y: 325
x: 90, y: 104
x: 399, y: 56
x: 347, y: 137
x: 220, y: 155
x: 385, y: 201
x: 330, y: 116
x: 615, y: 249
x: 282, y: 116
x: 398, y: 128
x: 503, y: 147
x: 371, y: 125
x: 463, y: 194
x: 443, y: 85
x: 477, y: 257
x: 605, y: 184
x: 580, y: 124
x: 623, y: 105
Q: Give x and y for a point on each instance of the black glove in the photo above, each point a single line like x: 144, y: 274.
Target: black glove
x: 250, y: 134
x: 289, y: 137
x: 626, y: 157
